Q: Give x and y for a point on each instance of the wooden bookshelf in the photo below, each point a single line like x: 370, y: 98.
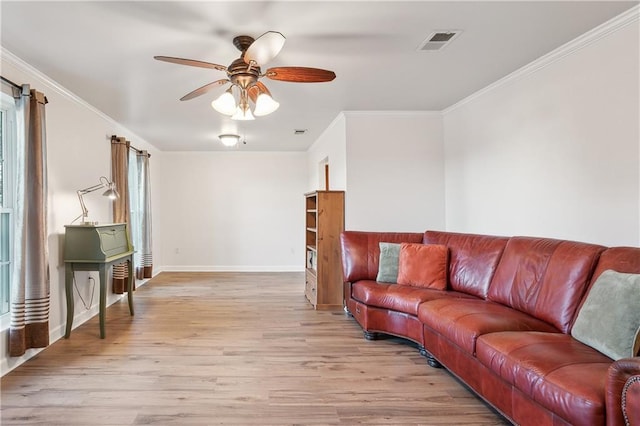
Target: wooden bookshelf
x: 324, y: 222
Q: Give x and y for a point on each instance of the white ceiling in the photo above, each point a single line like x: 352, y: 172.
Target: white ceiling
x: 103, y: 52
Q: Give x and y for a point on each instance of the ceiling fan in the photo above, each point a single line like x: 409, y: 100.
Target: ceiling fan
x: 244, y: 73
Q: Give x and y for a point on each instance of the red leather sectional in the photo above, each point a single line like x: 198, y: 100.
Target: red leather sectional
x: 503, y: 324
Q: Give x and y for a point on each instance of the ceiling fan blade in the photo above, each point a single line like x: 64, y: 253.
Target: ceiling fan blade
x: 300, y: 74
x: 264, y: 48
x: 256, y: 89
x: 204, y: 89
x: 191, y: 62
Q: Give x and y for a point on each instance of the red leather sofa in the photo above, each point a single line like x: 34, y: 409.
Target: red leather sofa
x: 503, y: 324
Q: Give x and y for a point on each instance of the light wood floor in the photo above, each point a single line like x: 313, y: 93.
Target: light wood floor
x: 241, y: 349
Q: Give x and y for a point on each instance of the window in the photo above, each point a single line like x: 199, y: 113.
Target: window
x: 7, y: 196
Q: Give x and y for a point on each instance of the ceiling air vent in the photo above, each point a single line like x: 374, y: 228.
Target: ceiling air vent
x: 299, y: 131
x: 439, y: 39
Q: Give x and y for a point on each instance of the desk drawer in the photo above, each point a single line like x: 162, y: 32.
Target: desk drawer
x: 113, y: 240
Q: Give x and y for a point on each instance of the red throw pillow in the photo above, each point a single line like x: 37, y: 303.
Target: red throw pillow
x: 423, y: 265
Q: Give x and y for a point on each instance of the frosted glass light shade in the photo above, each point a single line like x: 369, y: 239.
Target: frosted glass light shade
x: 229, y: 139
x: 225, y: 104
x: 242, y: 114
x: 265, y: 105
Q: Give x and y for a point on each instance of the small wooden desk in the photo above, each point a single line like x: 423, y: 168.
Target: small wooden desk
x: 96, y: 248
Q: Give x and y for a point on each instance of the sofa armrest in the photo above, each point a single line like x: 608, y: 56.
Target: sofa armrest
x: 346, y: 291
x: 361, y: 251
x: 623, y: 392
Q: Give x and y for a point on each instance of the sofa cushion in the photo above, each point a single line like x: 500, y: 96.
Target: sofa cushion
x: 609, y: 319
x: 463, y: 321
x: 396, y: 297
x: 472, y: 259
x: 388, y: 264
x: 544, y: 278
x: 361, y: 251
x: 558, y: 372
x: 621, y: 259
x: 423, y: 265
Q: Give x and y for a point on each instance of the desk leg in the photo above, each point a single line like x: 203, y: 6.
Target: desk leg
x: 130, y: 285
x: 68, y: 287
x: 103, y: 297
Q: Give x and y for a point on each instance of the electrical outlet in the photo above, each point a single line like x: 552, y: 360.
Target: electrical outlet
x: 177, y: 250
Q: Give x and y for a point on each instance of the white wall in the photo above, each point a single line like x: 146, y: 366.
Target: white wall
x: 553, y: 151
x: 233, y: 211
x: 330, y: 145
x: 395, y: 169
x: 78, y: 153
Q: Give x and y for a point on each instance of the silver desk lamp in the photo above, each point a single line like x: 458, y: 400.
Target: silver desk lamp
x: 110, y: 192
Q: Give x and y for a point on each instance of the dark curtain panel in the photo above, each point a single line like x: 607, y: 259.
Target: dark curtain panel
x: 121, y: 210
x: 30, y: 294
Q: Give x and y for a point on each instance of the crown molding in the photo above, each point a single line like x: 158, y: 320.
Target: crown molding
x: 613, y: 25
x: 395, y: 113
x: 9, y: 58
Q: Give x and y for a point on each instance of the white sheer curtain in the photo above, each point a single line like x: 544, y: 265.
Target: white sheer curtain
x: 30, y: 296
x: 140, y: 201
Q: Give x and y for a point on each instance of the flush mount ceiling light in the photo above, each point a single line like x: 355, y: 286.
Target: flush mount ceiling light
x: 229, y: 139
x: 244, y: 73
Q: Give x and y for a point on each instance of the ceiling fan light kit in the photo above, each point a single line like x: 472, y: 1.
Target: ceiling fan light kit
x: 264, y: 104
x: 244, y: 73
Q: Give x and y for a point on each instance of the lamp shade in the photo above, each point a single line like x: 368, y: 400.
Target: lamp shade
x: 265, y: 105
x: 225, y: 103
x: 229, y: 139
x: 111, y: 193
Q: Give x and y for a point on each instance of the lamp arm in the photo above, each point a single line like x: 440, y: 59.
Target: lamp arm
x: 104, y: 182
x: 85, y: 212
x: 90, y: 189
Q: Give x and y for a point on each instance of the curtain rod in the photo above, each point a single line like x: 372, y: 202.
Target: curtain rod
x: 139, y: 151
x: 6, y: 80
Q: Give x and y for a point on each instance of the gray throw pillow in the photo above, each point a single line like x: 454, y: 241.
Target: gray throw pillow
x: 609, y: 320
x: 388, y: 265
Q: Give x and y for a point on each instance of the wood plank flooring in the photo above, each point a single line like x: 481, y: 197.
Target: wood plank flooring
x: 237, y: 349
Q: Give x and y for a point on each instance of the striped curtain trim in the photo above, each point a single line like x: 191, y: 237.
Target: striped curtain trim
x: 29, y: 312
x: 144, y: 259
x: 120, y: 271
